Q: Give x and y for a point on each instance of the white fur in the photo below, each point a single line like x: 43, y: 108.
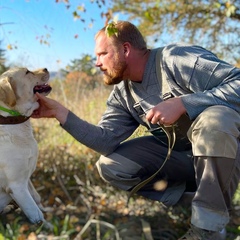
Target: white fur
x: 18, y: 148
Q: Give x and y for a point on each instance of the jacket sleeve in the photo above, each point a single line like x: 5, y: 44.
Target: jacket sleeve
x: 115, y: 126
x: 202, y: 79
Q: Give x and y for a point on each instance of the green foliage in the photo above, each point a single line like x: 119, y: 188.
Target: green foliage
x: 62, y: 227
x: 18, y: 229
x: 212, y: 24
x: 111, y: 29
x: 85, y: 64
x: 10, y: 231
x: 236, y: 199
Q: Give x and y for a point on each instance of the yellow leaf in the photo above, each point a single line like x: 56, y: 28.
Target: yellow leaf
x: 76, y: 15
x: 9, y: 47
x: 148, y: 16
x: 81, y: 8
x: 32, y: 236
x: 228, y: 4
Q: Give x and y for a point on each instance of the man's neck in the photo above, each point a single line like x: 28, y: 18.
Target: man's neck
x: 138, y: 64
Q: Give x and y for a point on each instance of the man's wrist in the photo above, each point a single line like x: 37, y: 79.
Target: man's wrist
x: 61, y: 114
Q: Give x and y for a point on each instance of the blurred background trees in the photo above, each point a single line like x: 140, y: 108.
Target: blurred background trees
x: 213, y: 24
x: 209, y: 23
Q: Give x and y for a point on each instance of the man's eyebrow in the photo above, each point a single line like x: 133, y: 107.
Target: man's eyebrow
x: 101, y: 52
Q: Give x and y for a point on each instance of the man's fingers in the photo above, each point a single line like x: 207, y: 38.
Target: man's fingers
x: 150, y: 115
x: 40, y: 96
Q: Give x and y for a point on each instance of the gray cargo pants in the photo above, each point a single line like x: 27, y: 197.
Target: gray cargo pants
x: 211, y: 168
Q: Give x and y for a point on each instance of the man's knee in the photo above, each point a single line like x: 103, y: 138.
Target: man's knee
x: 215, y: 132
x: 119, y: 171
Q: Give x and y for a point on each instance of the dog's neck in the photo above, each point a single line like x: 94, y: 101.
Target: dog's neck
x: 13, y: 120
x: 15, y: 117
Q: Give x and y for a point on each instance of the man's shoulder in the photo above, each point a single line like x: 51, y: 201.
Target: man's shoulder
x: 180, y: 45
x: 183, y: 49
x: 174, y: 46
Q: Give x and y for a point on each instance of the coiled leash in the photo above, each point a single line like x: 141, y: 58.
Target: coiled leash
x: 170, y: 131
x: 171, y: 136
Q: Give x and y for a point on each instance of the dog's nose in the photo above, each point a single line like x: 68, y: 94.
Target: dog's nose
x: 45, y: 70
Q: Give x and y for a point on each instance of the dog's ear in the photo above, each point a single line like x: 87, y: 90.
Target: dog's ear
x: 7, y: 94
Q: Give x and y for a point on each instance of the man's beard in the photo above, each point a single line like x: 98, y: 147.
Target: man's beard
x: 115, y: 76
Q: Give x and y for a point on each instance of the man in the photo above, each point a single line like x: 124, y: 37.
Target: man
x: 202, y: 90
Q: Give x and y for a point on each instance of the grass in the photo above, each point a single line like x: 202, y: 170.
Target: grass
x: 80, y: 205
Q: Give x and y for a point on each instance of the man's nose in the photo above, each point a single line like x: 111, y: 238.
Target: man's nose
x: 98, y: 63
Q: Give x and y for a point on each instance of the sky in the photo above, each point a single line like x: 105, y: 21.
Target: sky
x: 24, y: 24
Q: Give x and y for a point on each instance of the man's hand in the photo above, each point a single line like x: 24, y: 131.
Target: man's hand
x: 166, y: 112
x: 50, y: 108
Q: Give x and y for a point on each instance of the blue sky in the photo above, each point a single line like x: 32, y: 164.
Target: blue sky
x: 24, y: 23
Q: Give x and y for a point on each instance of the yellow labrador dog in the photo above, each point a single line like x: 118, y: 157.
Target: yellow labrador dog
x: 18, y: 148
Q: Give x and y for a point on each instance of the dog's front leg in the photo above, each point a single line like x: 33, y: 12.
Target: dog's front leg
x: 5, y: 199
x: 36, y: 197
x: 19, y: 192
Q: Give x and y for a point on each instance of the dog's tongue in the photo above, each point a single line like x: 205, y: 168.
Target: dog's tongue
x: 45, y: 88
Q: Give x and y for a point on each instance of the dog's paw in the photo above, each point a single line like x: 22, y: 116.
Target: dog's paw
x: 39, y: 223
x: 44, y: 224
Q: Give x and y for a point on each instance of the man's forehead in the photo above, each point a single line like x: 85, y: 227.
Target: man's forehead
x: 102, y: 43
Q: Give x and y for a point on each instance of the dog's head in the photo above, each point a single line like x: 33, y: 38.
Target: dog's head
x: 18, y: 87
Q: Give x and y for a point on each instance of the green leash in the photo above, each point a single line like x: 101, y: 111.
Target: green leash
x: 12, y: 112
x: 170, y: 136
x: 171, y: 142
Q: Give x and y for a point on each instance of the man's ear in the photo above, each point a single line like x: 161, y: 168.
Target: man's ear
x: 7, y: 94
x: 126, y: 47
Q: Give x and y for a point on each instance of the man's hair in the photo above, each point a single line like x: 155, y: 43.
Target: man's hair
x: 125, y: 32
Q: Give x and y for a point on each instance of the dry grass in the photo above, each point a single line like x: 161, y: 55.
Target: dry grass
x: 82, y: 205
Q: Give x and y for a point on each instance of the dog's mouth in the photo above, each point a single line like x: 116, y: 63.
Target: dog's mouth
x: 42, y: 89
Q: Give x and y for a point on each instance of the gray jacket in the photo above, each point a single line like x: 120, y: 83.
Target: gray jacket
x: 197, y: 75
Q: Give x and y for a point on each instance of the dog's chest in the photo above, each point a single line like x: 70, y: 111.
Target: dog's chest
x: 18, y: 152
x: 17, y: 136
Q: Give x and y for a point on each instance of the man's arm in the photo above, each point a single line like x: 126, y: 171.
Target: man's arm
x: 115, y: 126
x: 201, y: 79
